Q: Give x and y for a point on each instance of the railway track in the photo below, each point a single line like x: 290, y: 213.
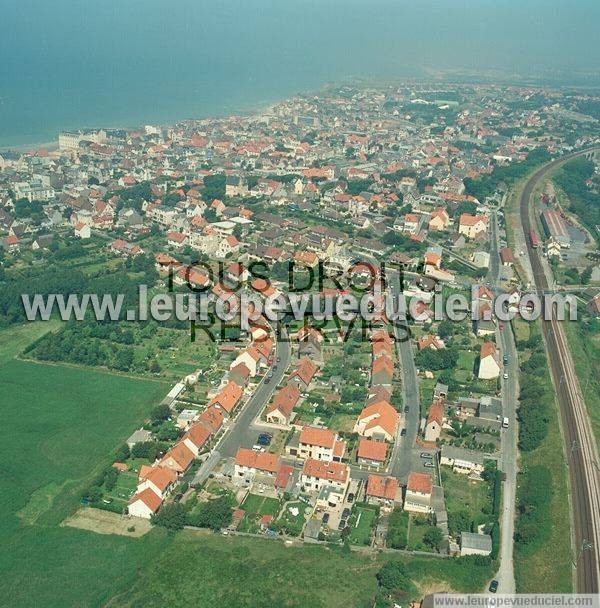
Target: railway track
x: 580, y: 445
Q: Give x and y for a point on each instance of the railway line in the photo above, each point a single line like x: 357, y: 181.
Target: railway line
x: 580, y: 445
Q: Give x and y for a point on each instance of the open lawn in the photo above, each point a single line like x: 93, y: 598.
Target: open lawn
x: 60, y: 426
x: 360, y: 523
x: 260, y: 505
x: 207, y: 570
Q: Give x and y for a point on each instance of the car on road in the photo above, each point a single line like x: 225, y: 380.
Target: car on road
x: 428, y: 464
x: 493, y: 586
x: 505, y: 359
x: 426, y: 455
x: 505, y: 375
x: 278, y: 359
x: 402, y: 432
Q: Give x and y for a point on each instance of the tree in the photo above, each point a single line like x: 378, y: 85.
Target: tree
x: 171, y: 516
x: 393, y: 576
x: 110, y: 479
x: 433, y: 537
x: 215, y: 514
x: 160, y: 413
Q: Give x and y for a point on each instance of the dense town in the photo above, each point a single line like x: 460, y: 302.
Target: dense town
x: 314, y: 432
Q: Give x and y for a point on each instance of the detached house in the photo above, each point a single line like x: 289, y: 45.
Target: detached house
x: 439, y: 219
x: 304, y: 373
x: 489, y: 367
x: 433, y: 428
x: 472, y: 226
x: 281, y: 409
x: 419, y: 490
x: 378, y: 421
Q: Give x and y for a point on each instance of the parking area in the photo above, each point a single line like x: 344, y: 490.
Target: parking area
x: 424, y: 461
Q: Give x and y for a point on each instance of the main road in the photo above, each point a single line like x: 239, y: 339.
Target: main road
x: 509, y: 459
x: 576, y: 427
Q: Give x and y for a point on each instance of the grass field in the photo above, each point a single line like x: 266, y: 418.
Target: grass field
x: 260, y: 505
x: 585, y: 349
x: 206, y: 570
x: 464, y: 494
x: 60, y: 426
x: 360, y: 523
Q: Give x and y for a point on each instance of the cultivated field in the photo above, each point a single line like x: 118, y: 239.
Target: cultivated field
x: 60, y: 426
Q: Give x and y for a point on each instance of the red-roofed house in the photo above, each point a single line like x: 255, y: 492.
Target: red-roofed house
x: 433, y: 428
x: 489, y: 368
x: 378, y: 421
x: 249, y: 462
x: 282, y: 406
x: 383, y: 490
x: 320, y: 444
x: 228, y: 397
x: 419, y: 490
x: 158, y: 479
x: 472, y: 225
x: 371, y: 453
x: 178, y: 458
x: 144, y: 504
x: 317, y: 474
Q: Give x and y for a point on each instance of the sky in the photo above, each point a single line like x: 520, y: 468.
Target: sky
x: 72, y: 62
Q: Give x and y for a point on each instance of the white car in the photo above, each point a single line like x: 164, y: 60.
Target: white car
x: 505, y: 376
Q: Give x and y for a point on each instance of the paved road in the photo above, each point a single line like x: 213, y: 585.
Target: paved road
x: 400, y: 461
x: 509, y: 459
x: 576, y: 428
x: 239, y: 432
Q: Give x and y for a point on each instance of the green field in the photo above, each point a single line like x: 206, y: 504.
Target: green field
x: 207, y: 570
x: 360, y: 523
x: 60, y: 426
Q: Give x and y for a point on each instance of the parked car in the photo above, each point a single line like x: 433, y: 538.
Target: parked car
x: 505, y: 359
x: 325, y: 518
x: 406, y: 409
x: 264, y: 439
x: 426, y: 455
x: 493, y: 586
x: 402, y: 432
x: 345, y: 513
x: 350, y: 497
x: 428, y: 464
x: 342, y: 524
x: 505, y: 375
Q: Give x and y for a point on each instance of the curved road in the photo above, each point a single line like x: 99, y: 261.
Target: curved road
x: 576, y: 428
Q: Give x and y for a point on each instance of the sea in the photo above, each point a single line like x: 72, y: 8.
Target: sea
x: 69, y: 64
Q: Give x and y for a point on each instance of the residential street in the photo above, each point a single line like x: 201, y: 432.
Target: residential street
x: 402, y: 451
x: 239, y: 433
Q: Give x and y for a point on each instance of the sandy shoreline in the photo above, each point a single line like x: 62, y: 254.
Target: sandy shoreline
x: 46, y: 145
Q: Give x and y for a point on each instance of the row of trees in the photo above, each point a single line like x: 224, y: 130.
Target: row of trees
x: 485, y: 185
x: 572, y: 178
